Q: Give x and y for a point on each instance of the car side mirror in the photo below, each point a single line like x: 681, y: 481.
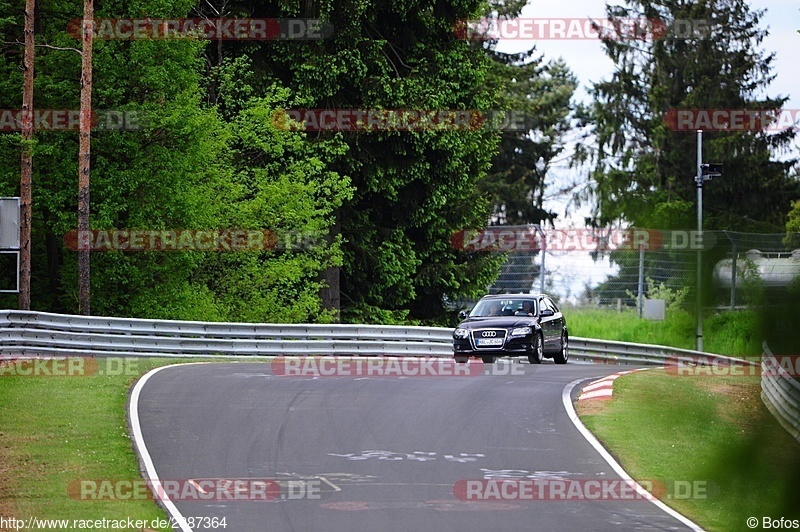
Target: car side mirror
x: 546, y: 313
x: 462, y: 314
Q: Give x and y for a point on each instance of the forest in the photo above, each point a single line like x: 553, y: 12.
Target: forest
x: 289, y: 161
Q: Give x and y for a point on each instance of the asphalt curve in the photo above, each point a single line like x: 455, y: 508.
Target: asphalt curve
x: 380, y: 453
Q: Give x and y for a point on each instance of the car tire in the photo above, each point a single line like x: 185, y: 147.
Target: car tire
x: 538, y: 350
x: 487, y: 359
x: 563, y: 355
x: 461, y: 359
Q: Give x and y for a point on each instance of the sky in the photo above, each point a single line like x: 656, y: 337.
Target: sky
x: 570, y: 271
x: 590, y: 64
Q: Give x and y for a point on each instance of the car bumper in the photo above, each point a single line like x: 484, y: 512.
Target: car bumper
x: 512, y: 346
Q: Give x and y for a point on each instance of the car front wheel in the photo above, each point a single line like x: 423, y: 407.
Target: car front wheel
x: 538, y: 350
x: 563, y: 355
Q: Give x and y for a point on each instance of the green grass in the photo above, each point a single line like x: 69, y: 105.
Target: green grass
x: 713, y: 433
x: 57, y: 430
x: 729, y: 333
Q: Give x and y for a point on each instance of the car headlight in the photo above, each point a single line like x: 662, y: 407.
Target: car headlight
x: 461, y: 332
x: 521, y: 331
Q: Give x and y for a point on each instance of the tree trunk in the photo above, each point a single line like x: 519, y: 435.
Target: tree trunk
x: 26, y: 173
x: 84, y: 153
x: 330, y: 294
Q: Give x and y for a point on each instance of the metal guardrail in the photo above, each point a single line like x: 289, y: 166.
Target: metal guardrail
x: 612, y: 352
x: 26, y: 333
x: 39, y: 333
x: 780, y: 393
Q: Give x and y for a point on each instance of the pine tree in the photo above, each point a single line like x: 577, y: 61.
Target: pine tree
x: 644, y: 169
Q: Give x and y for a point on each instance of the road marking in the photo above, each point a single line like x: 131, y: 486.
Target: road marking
x: 147, y: 461
x: 197, y: 486
x: 566, y: 400
x: 603, y: 388
x: 331, y: 484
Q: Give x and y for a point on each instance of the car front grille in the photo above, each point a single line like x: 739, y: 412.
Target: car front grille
x: 489, y: 338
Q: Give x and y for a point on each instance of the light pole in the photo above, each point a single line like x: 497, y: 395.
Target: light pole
x: 699, y: 184
x: 704, y: 173
x: 540, y: 168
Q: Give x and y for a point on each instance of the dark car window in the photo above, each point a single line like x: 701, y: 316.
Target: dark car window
x: 544, y: 304
x: 526, y: 307
x: 502, y: 307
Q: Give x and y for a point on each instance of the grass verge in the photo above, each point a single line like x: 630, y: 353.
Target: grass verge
x: 730, y: 333
x: 58, y: 430
x: 710, y: 433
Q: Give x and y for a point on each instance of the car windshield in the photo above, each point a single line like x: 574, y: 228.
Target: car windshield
x: 504, y: 307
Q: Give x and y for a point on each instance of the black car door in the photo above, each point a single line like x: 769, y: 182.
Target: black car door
x: 557, y: 323
x: 547, y: 318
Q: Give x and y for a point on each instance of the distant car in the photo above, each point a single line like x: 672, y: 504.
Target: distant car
x: 512, y: 325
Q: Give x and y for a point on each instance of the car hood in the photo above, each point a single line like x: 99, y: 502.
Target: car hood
x: 499, y: 322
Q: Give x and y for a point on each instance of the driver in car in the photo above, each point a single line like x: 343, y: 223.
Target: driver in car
x: 526, y: 310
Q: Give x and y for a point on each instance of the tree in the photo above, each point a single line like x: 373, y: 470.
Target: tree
x: 641, y: 163
x: 181, y: 164
x: 644, y: 168
x: 412, y: 189
x: 540, y: 93
x: 84, y: 155
x: 26, y: 172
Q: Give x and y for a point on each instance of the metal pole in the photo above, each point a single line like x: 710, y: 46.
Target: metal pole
x: 544, y: 251
x: 733, y: 277
x: 699, y: 182
x: 640, y: 292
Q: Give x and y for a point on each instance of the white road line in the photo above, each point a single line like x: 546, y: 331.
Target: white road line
x: 136, y: 429
x: 566, y: 399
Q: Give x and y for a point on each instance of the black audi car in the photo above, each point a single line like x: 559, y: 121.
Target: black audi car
x: 512, y: 325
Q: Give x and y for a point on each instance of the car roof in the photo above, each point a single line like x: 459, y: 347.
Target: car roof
x: 513, y: 296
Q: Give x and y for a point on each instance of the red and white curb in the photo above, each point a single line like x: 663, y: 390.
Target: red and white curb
x: 566, y: 400
x: 603, y: 388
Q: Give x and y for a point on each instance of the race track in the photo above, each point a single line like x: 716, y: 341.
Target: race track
x: 380, y: 453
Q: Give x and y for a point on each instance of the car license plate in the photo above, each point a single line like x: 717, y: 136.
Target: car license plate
x: 490, y: 341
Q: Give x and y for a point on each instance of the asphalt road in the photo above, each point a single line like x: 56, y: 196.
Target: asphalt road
x: 380, y: 453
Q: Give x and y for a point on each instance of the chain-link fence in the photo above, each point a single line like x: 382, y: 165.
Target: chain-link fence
x: 619, y: 268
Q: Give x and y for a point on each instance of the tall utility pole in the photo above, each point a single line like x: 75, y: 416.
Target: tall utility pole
x: 704, y: 173
x: 699, y: 182
x: 26, y: 173
x: 84, y: 158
